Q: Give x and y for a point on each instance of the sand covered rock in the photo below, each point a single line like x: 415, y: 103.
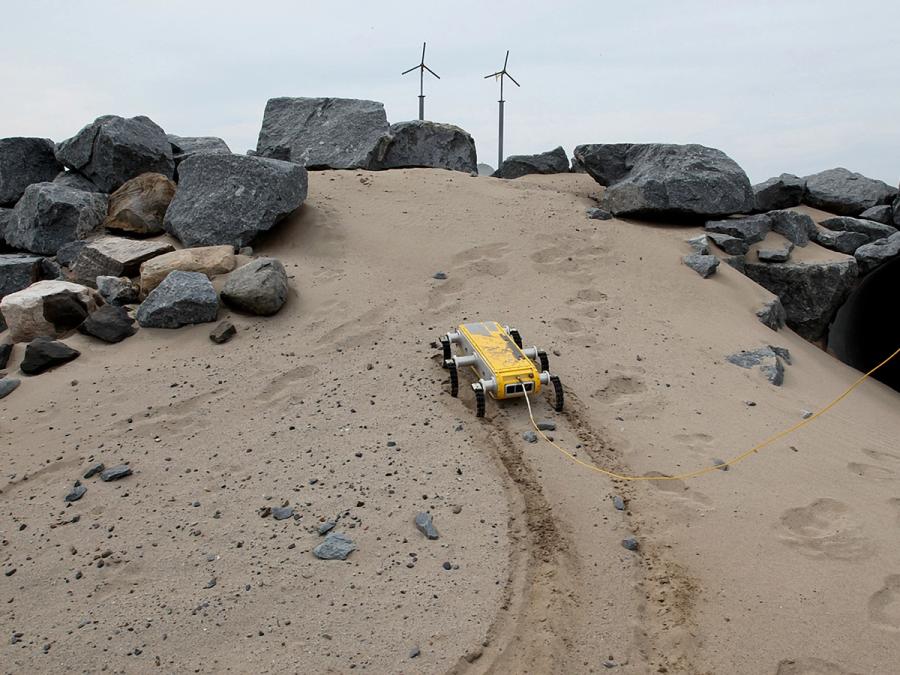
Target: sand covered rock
x: 229, y: 199
x: 426, y: 144
x: 42, y: 354
x: 870, y: 228
x: 797, y: 228
x: 185, y: 146
x: 877, y: 253
x: 704, y: 265
x: 139, y: 206
x: 115, y: 257
x: 23, y: 162
x: 259, y: 287
x: 772, y: 314
x: 322, y: 133
x: 182, y: 298
x: 210, y: 260
x: 516, y: 166
x: 75, y: 180
x: 49, y: 215
x: 108, y: 323
x: 846, y: 193
x: 767, y: 359
x: 773, y: 255
x: 18, y: 271
x: 749, y: 230
x: 781, y: 192
x: 112, y: 150
x: 49, y: 308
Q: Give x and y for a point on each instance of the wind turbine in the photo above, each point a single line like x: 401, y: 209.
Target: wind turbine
x: 501, y: 74
x: 422, y: 68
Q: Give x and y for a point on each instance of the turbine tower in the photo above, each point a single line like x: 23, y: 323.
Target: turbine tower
x: 500, y: 74
x: 422, y: 68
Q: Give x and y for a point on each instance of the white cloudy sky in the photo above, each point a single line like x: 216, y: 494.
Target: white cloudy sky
x: 792, y: 85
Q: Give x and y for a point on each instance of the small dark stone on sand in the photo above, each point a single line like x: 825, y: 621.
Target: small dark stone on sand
x: 115, y: 473
x: 530, y: 436
x: 93, y: 470
x: 631, y: 544
x: 76, y: 493
x: 447, y: 566
x: 282, y: 512
x: 326, y: 527
x: 720, y: 464
x: 439, y: 275
x: 618, y: 503
x: 414, y: 652
x: 425, y: 525
x: 211, y: 583
x: 546, y: 426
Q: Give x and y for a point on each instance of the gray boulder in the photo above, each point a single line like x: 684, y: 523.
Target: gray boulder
x: 750, y: 229
x: 426, y: 144
x: 575, y: 166
x: 668, y: 181
x: 229, y: 199
x: 49, y: 215
x: 109, y: 323
x: 516, y: 166
x: 112, y: 149
x: 877, y: 253
x: 23, y: 162
x: 322, y: 133
x: 704, y: 265
x: 773, y: 255
x: 797, y: 228
x: 781, y: 192
x: 811, y: 293
x: 880, y: 214
x: 115, y: 257
x: 118, y: 290
x: 183, y: 298
x: 73, y: 179
x: 843, y: 242
x: 18, y: 271
x: 846, y: 193
x: 772, y: 314
x: 185, y: 146
x: 869, y: 228
x: 67, y: 254
x: 259, y: 287
x: 731, y: 245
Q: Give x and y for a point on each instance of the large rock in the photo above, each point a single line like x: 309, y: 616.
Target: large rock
x: 182, y: 298
x: 259, y: 287
x: 516, y: 166
x: 48, y: 308
x: 5, y: 218
x: 112, y: 150
x: 115, y: 257
x: 67, y: 254
x: 23, y: 162
x: 606, y: 163
x: 18, y: 271
x: 869, y: 228
x: 322, y: 133
x: 139, y: 206
x: 426, y: 144
x: 49, y: 215
x: 42, y: 354
x: 797, y: 228
x: 811, y: 293
x: 877, y: 253
x: 229, y: 199
x: 109, y: 323
x: 185, y: 146
x: 844, y: 242
x: 880, y: 214
x: 750, y: 229
x: 846, y: 193
x: 210, y: 260
x: 73, y: 179
x: 781, y: 192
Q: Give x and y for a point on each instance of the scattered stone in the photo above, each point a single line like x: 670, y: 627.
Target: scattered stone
x: 49, y: 215
x: 447, y: 565
x: 337, y: 546
x: 870, y: 228
x: 420, y: 143
x: 843, y: 242
x: 110, y: 323
x: 259, y: 287
x: 75, y: 180
x: 618, y: 503
x: 42, y: 354
x: 596, y: 213
x: 782, y: 192
x: 609, y: 663
x: 115, y: 257
x: 877, y: 253
x: 751, y: 229
x: 516, y: 166
x: 630, y: 543
x: 210, y: 260
x: 797, y: 228
x: 721, y: 464
x: 115, y: 473
x: 846, y: 193
x: 183, y: 298
x: 879, y: 214
x: 5, y: 352
x: 282, y: 512
x: 112, y: 149
x: 699, y: 244
x: 326, y: 527
x: 545, y: 425
x: 211, y: 583
x: 775, y: 255
x: 7, y: 386
x: 118, y: 290
x: 229, y: 199
x: 76, y: 493
x: 425, y: 525
x: 806, y: 414
x: 731, y: 245
x: 139, y: 206
x: 223, y: 332
x: 18, y: 271
x: 439, y: 275
x: 766, y: 358
x: 530, y: 436
x: 704, y: 265
x: 414, y: 652
x: 93, y: 470
x: 772, y: 314
x: 185, y: 146
x: 23, y: 162
x: 47, y: 308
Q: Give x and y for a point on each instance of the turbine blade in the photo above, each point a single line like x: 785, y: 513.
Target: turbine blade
x: 513, y: 79
x: 493, y: 74
x: 423, y: 53
x: 431, y: 71
x: 506, y: 60
x: 410, y: 70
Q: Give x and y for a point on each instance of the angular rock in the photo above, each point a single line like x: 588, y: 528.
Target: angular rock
x: 93, y: 470
x: 109, y: 323
x: 880, y: 214
x: 8, y: 385
x: 210, y: 260
x: 118, y: 290
x: 229, y: 199
x: 185, y: 146
x: 139, y: 206
x: 282, y: 512
x: 530, y: 436
x: 772, y: 314
x: 425, y: 525
x: 259, y: 287
x: 631, y: 544
x: 846, y: 193
x: 870, y: 228
x: 750, y: 229
x: 5, y: 352
x: 18, y: 271
x: 23, y: 162
x: 42, y: 353
x: 877, y: 253
x: 49, y: 215
x: 326, y: 527
x: 76, y: 493
x: 731, y: 245
x: 115, y: 473
x: 115, y: 257
x: 606, y: 163
x: 811, y: 293
x: 768, y: 360
x: 781, y: 192
x: 843, y: 242
x: 336, y: 546
x: 76, y: 181
x: 112, y: 150
x: 47, y: 308
x: 775, y: 255
x: 700, y: 244
x: 182, y: 298
x: 516, y: 166
x: 67, y: 254
x: 322, y: 133
x: 797, y: 228
x: 426, y: 144
x: 704, y: 265
x: 223, y: 332
x: 595, y: 213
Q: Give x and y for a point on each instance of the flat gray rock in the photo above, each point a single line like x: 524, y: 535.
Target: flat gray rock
x: 115, y: 257
x: 223, y: 332
x: 780, y: 192
x: 699, y: 244
x: 775, y: 255
x: 182, y: 298
x: 877, y: 253
x: 322, y: 133
x: 516, y: 166
x: 427, y: 145
x: 229, y: 199
x: 23, y: 162
x: 797, y: 228
x: 880, y: 214
x: 425, y: 525
x: 50, y: 215
x: 731, y: 245
x: 18, y: 271
x: 750, y: 229
x: 259, y: 287
x: 336, y: 546
x: 846, y: 193
x: 843, y: 242
x: 7, y: 386
x: 704, y: 265
x: 872, y: 229
x: 115, y: 473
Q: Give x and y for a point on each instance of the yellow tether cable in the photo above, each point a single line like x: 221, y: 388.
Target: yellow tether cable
x: 714, y: 467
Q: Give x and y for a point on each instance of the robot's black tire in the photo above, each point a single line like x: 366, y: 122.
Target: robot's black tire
x: 545, y: 361
x: 514, y: 334
x: 445, y: 349
x: 557, y: 393
x: 479, y: 403
x: 454, y: 378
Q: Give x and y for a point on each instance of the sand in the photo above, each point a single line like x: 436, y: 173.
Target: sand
x: 787, y: 563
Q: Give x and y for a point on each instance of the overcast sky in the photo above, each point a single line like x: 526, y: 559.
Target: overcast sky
x: 795, y: 85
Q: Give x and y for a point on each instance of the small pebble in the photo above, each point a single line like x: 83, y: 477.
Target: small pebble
x: 439, y: 275
x: 115, y: 473
x: 447, y: 566
x: 618, y: 503
x: 326, y: 527
x: 806, y: 414
x: 530, y: 436
x: 631, y: 544
x: 546, y: 426
x: 93, y: 470
x: 414, y: 652
x: 720, y: 463
x: 282, y: 512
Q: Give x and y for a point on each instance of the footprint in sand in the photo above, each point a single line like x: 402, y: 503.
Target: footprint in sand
x: 882, y: 456
x: 567, y: 325
x: 884, y: 605
x: 619, y: 388
x: 824, y: 529
x: 589, y: 303
x: 810, y: 666
x: 678, y: 489
x: 895, y: 502
x: 484, y: 260
x: 871, y: 472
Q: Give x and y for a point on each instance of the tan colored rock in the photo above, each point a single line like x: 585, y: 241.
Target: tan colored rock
x: 115, y: 257
x: 51, y: 308
x: 139, y: 206
x: 210, y: 260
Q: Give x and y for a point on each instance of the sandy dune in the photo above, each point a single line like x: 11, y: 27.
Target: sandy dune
x: 788, y: 563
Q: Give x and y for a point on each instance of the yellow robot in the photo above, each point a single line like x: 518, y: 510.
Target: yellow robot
x: 504, y: 368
